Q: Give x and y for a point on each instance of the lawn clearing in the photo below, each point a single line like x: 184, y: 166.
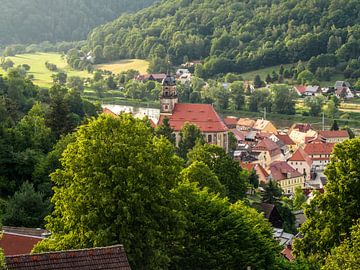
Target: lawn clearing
x: 41, y: 74
x: 117, y: 67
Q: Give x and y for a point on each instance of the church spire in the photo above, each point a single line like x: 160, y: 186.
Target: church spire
x: 169, y: 95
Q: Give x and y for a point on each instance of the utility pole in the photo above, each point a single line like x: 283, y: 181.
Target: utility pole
x: 323, y: 121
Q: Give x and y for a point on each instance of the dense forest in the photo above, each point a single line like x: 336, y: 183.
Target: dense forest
x: 34, y: 21
x: 232, y: 36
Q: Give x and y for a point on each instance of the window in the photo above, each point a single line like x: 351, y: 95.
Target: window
x: 166, y: 107
x: 209, y: 138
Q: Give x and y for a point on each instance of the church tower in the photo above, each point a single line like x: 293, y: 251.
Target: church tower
x: 169, y: 95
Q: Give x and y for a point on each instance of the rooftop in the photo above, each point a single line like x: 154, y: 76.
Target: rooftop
x: 109, y: 258
x: 202, y: 115
x: 334, y: 134
x: 319, y: 148
x: 281, y: 170
x: 300, y: 155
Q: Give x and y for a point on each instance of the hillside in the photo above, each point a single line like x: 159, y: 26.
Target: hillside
x: 34, y: 21
x: 232, y: 36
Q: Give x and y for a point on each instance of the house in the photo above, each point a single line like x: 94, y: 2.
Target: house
x: 185, y: 78
x: 267, y: 152
x: 265, y: 126
x: 285, y: 138
x: 245, y: 124
x: 271, y: 213
x: 182, y: 71
x: 301, y: 162
x: 333, y: 136
x: 340, y: 84
x: 203, y: 116
x: 287, y: 177
x: 298, y: 133
x: 109, y: 258
x: 107, y: 111
x: 260, y: 171
x: 319, y: 154
x: 310, y: 90
x: 344, y: 92
x: 240, y: 136
x: 20, y: 240
x: 231, y: 121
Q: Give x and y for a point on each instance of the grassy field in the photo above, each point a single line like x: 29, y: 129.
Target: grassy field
x: 263, y: 73
x: 117, y: 67
x: 37, y: 63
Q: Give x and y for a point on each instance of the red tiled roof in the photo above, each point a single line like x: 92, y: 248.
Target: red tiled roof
x: 158, y: 76
x: 253, y: 166
x: 238, y: 134
x: 108, y: 111
x: 247, y: 122
x: 302, y: 127
x: 16, y: 244
x: 268, y: 145
x: 300, y: 155
x: 334, y: 134
x: 109, y: 258
x: 202, y: 115
x: 319, y: 148
x: 301, y: 88
x: 285, y: 139
x: 281, y: 170
x: 287, y: 253
x: 230, y: 121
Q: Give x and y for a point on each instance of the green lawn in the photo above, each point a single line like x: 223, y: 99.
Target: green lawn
x: 37, y: 63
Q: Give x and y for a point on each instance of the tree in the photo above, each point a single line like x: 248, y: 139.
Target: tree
x: 299, y: 199
x: 347, y: 254
x: 27, y: 208
x: 59, y: 78
x: 259, y: 100
x: 228, y: 171
x: 200, y: 173
x: 268, y: 79
x: 314, y: 104
x: 334, y: 125
x: 76, y: 83
x: 219, y: 235
x: 258, y: 82
x: 305, y: 77
x: 114, y: 190
x: 283, y: 99
x: 272, y: 193
x: 330, y: 109
x: 166, y: 130
x: 331, y: 215
x: 237, y: 95
x: 189, y: 135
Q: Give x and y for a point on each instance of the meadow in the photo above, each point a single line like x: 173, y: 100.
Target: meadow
x: 117, y: 67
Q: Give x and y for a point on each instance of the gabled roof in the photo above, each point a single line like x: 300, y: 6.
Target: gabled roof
x: 202, y: 115
x: 230, y: 121
x: 319, y: 148
x: 301, y: 155
x: 109, y: 258
x: 301, y: 127
x: 334, y: 134
x: 268, y: 145
x: 285, y: 139
x: 300, y: 89
x: 260, y: 124
x: 281, y: 170
x: 108, y: 111
x: 246, y: 122
x: 240, y: 136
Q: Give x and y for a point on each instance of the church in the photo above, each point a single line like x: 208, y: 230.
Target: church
x: 203, y: 116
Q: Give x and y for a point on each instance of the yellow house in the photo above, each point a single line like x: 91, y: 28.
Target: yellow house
x: 287, y: 177
x: 265, y: 126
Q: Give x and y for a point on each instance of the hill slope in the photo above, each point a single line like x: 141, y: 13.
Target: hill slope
x: 233, y: 35
x: 33, y: 21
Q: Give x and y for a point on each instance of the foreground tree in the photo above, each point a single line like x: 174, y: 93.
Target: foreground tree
x: 166, y: 130
x: 112, y: 189
x: 190, y: 134
x: 228, y: 171
x: 331, y: 215
x: 219, y: 235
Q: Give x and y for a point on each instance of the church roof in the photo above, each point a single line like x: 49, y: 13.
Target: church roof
x: 202, y: 115
x: 169, y: 80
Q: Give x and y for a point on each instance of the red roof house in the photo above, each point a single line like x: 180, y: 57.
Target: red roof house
x: 109, y: 258
x: 260, y: 171
x: 333, y: 136
x: 19, y: 240
x: 202, y: 115
x: 230, y: 121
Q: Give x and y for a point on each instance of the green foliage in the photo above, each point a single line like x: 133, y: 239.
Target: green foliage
x: 334, y: 125
x: 347, y: 254
x: 200, y: 173
x: 57, y: 21
x: 305, y: 77
x: 27, y: 208
x: 272, y: 193
x: 165, y: 130
x: 282, y: 99
x: 331, y: 215
x: 114, y: 190
x: 219, y: 235
x: 258, y: 82
x: 314, y: 104
x: 226, y: 169
x: 190, y: 135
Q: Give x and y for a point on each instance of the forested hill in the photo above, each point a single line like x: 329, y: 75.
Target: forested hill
x: 33, y: 21
x: 237, y: 35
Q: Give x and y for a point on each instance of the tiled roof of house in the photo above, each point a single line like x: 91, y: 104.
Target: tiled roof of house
x: 158, y: 76
x: 319, y: 148
x: 240, y: 136
x: 268, y: 145
x: 260, y: 124
x: 254, y: 166
x: 107, y: 258
x: 202, y: 115
x: 281, y: 170
x: 285, y: 139
x: 334, y: 134
x: 301, y: 155
x: 230, y: 121
x: 301, y: 127
x: 267, y: 209
x: 25, y: 231
x: 109, y: 112
x: 246, y: 122
x: 300, y: 89
x: 287, y: 253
